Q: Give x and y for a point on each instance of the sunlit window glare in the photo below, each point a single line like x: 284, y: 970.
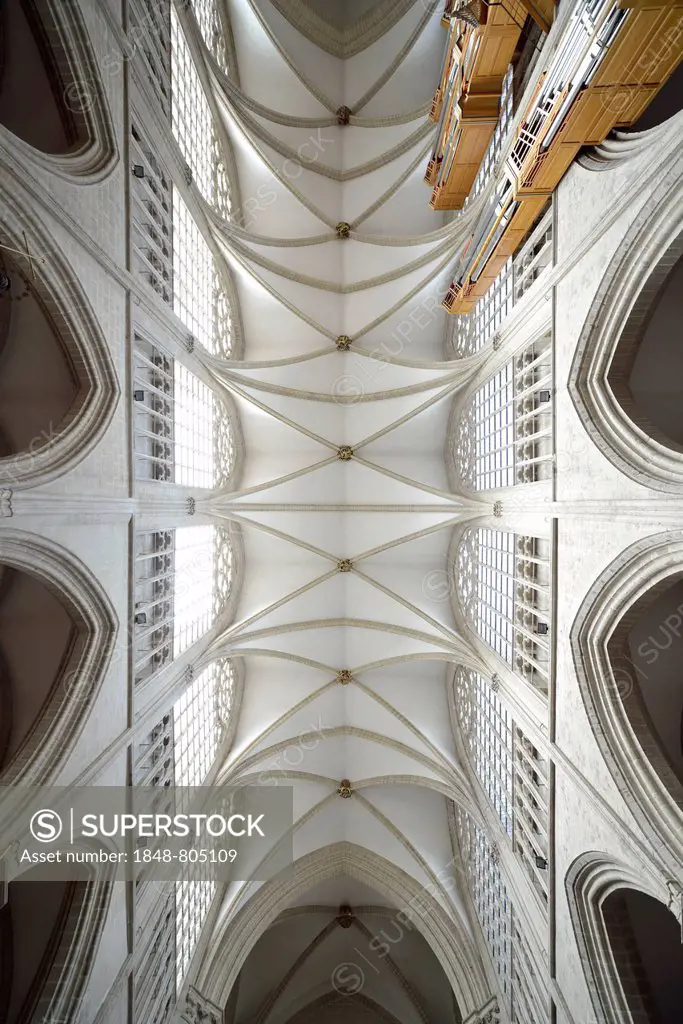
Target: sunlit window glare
x: 183, y: 433
x: 193, y: 123
x: 208, y: 19
x: 487, y: 730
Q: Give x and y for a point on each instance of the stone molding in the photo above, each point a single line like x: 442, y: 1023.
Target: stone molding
x: 65, y: 713
x: 621, y: 146
x: 85, y: 96
x: 589, y: 881
x: 446, y: 935
x: 488, y: 1014
x: 74, y: 322
x: 652, y: 790
x: 618, y: 316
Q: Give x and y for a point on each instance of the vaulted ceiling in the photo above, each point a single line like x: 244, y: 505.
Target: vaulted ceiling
x: 343, y: 27
x: 342, y: 12
x: 344, y: 501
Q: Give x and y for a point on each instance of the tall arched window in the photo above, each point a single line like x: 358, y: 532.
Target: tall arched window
x: 183, y: 581
x: 505, y: 431
x: 209, y: 20
x: 193, y: 122
x: 504, y: 581
x: 172, y: 256
x: 471, y: 331
x: 172, y: 250
x: 489, y: 895
x: 199, y: 294
x: 487, y: 731
x: 511, y: 770
x: 180, y: 751
x: 183, y: 431
x: 522, y: 990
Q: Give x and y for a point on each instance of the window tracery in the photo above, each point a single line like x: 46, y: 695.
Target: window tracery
x: 150, y: 35
x: 209, y: 20
x: 505, y: 433
x: 199, y: 295
x: 504, y: 584
x: 180, y: 751
x: 183, y: 432
x: 520, y: 985
x: 201, y: 720
x: 489, y: 894
x: 223, y: 333
x: 193, y: 122
x: 511, y: 770
x: 473, y: 330
x: 487, y: 730
x: 183, y: 580
x: 171, y: 254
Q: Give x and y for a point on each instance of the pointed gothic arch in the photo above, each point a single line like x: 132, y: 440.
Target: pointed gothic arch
x: 610, y: 660
x: 59, y: 310
x: 50, y: 933
x: 621, y: 917
x: 82, y: 642
x: 52, y: 101
x: 601, y: 380
x: 447, y: 937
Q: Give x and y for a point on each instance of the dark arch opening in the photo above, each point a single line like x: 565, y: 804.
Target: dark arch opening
x: 37, y: 637
x: 646, y: 652
x: 39, y: 385
x: 645, y: 939
x: 40, y: 101
x: 646, y: 374
x: 33, y: 923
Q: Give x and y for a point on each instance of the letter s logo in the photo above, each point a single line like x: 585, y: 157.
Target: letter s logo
x: 46, y: 826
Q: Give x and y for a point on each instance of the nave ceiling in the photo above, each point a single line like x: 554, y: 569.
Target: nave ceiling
x: 344, y: 502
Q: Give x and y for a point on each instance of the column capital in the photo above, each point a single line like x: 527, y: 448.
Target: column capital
x: 488, y: 1014
x: 199, y: 1010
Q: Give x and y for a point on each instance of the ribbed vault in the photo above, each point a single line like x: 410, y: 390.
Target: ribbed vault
x: 344, y: 622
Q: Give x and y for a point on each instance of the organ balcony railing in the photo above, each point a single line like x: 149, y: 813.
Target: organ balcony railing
x: 513, y: 281
x: 608, y: 66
